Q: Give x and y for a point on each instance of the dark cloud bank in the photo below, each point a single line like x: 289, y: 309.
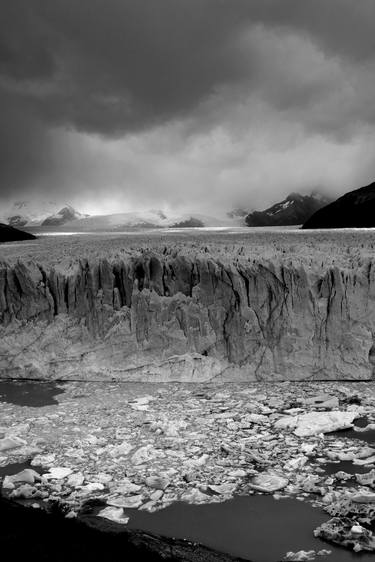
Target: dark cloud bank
x: 137, y: 103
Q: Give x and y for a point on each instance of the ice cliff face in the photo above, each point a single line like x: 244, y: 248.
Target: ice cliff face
x: 162, y: 317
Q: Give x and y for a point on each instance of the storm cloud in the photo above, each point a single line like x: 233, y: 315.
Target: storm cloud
x: 132, y: 103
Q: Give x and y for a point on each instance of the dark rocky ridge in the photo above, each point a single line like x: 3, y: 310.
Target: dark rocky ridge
x: 355, y: 209
x: 11, y: 234
x: 163, y: 316
x: 89, y: 538
x: 293, y: 210
x: 188, y: 223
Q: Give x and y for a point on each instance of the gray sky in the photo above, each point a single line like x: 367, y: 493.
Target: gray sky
x: 114, y: 105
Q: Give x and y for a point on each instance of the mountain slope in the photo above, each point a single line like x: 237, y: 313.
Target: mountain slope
x: 238, y: 213
x: 293, y: 210
x: 355, y: 209
x: 66, y: 214
x: 10, y: 234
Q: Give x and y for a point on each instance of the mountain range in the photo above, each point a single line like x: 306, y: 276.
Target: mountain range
x: 355, y: 209
x: 49, y: 215
x: 37, y: 213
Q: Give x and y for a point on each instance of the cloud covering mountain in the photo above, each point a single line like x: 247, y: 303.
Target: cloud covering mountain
x: 116, y: 105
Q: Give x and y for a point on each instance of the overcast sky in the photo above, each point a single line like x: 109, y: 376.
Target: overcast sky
x: 114, y: 105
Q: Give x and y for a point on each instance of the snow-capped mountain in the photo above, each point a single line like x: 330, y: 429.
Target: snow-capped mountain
x: 293, y: 210
x: 50, y: 215
x: 138, y: 220
x: 117, y: 221
x: 37, y: 213
x: 66, y: 214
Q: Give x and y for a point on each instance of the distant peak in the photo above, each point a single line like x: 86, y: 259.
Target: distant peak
x: 293, y: 210
x: 294, y: 196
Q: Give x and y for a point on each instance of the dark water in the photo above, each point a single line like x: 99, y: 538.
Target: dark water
x: 30, y: 393
x: 344, y: 466
x: 258, y: 527
x: 367, y: 436
x: 14, y: 468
